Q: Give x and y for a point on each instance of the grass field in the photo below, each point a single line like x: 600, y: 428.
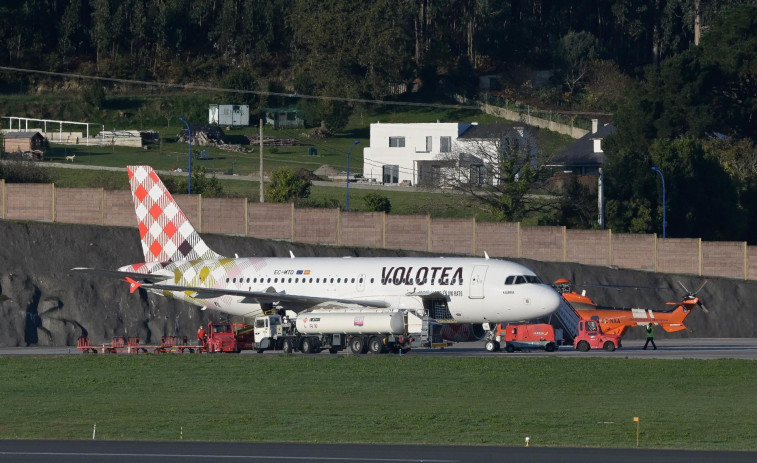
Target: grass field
x: 408, y: 399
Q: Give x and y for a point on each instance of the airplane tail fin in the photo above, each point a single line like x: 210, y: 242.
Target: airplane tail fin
x: 167, y: 235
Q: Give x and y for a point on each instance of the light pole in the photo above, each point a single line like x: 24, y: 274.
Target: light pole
x: 663, y: 199
x: 348, y: 173
x: 189, y: 181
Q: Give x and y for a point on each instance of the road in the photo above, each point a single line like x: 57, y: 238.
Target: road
x: 211, y: 452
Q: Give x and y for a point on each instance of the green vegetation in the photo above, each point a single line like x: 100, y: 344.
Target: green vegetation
x: 409, y: 399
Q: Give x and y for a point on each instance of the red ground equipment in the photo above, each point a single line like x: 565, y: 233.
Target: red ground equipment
x: 590, y: 336
x: 221, y: 338
x: 519, y: 336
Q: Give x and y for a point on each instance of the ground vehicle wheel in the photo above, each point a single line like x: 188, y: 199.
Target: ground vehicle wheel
x: 307, y: 346
x: 550, y: 347
x: 356, y: 345
x: 492, y: 346
x: 583, y: 346
x: 376, y: 345
x: 287, y: 346
x: 609, y: 346
x: 510, y: 348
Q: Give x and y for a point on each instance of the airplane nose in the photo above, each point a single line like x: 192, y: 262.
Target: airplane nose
x: 549, y: 300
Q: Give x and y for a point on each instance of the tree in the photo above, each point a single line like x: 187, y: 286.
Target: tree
x: 286, y: 186
x: 499, y: 170
x: 242, y: 79
x: 93, y: 94
x: 376, y: 202
x: 209, y: 187
x: 577, y: 51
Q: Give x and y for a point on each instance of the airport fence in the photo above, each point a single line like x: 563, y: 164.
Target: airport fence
x: 235, y: 216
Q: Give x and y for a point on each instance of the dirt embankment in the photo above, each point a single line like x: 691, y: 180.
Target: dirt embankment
x: 43, y: 303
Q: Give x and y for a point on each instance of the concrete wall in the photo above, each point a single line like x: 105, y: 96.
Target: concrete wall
x: 79, y: 205
x: 573, y: 132
x: 44, y: 202
x: 364, y: 229
x: 28, y: 201
x: 498, y: 239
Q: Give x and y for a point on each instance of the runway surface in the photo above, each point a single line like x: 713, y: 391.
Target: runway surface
x: 693, y: 348
x: 210, y: 452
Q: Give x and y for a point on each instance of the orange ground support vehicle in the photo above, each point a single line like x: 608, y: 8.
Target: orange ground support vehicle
x: 520, y: 336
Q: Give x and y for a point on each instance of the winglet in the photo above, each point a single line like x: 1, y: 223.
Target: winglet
x: 133, y: 285
x: 291, y: 254
x: 486, y: 255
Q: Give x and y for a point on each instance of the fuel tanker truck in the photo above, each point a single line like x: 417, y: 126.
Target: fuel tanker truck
x: 361, y: 330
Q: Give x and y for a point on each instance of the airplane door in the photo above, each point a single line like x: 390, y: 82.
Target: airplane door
x: 360, y: 283
x: 477, y: 282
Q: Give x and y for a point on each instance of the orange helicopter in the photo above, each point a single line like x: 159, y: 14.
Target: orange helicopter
x: 617, y: 321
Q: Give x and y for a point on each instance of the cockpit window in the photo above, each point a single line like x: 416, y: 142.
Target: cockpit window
x: 522, y: 279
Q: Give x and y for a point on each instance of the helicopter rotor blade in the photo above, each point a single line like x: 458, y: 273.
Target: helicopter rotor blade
x: 704, y: 309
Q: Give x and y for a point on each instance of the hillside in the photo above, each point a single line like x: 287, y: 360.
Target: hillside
x: 43, y: 304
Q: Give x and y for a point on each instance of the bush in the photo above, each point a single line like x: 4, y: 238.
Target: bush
x: 375, y: 202
x: 24, y: 172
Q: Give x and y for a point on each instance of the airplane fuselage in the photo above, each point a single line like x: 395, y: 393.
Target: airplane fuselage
x: 476, y: 290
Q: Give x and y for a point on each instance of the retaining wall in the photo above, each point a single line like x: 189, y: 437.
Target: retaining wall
x: 233, y: 216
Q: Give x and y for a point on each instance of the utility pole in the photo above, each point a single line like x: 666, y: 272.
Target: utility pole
x: 262, y: 198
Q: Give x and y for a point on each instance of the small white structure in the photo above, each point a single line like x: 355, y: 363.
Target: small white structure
x: 229, y: 115
x: 418, y: 154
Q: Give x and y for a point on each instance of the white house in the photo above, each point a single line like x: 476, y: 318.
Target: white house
x: 416, y: 154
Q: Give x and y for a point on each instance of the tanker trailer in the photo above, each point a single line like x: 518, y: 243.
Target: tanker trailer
x: 360, y: 329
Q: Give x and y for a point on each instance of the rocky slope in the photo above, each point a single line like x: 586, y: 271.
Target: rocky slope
x: 42, y: 303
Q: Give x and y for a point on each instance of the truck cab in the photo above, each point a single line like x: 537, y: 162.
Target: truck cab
x: 268, y: 329
x: 590, y: 336
x: 221, y: 338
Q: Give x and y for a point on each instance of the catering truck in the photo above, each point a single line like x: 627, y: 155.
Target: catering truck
x: 361, y: 330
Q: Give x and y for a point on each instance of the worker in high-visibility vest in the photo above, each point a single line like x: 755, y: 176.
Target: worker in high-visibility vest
x: 650, y: 337
x: 201, y: 336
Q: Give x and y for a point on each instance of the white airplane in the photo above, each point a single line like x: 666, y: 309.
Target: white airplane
x: 178, y: 264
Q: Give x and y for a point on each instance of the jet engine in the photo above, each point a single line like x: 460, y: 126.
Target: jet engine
x: 463, y: 332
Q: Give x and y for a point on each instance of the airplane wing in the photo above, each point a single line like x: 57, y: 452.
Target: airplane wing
x: 152, y: 281
x: 262, y: 297
x: 146, y: 277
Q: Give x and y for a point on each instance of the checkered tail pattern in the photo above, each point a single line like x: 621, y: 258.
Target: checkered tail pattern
x: 167, y: 235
